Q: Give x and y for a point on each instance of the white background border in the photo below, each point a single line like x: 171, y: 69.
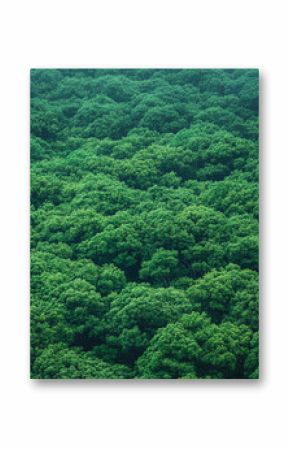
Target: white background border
x: 132, y: 414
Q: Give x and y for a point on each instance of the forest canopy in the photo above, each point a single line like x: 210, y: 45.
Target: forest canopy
x: 144, y: 224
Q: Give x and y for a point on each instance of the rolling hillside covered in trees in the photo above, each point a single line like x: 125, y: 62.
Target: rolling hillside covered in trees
x: 144, y: 224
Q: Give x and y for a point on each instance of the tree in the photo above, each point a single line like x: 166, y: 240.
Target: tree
x: 161, y: 268
x: 60, y: 362
x: 229, y: 294
x: 144, y: 223
x: 109, y: 279
x: 195, y: 348
x: 137, y: 312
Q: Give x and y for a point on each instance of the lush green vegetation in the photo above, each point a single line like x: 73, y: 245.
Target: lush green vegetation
x: 144, y: 224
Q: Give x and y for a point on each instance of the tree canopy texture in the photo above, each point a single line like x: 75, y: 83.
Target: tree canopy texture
x: 144, y: 224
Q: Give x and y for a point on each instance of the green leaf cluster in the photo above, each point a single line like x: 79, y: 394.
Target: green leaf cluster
x: 144, y: 223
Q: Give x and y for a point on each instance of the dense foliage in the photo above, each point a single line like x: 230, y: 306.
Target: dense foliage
x: 144, y: 224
